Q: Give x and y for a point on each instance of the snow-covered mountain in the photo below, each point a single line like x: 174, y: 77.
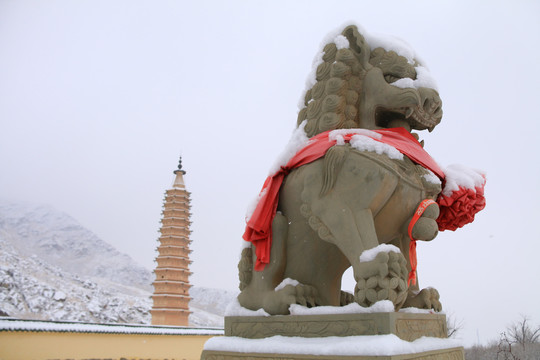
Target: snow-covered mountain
x: 58, y: 239
x: 33, y: 289
x: 52, y: 268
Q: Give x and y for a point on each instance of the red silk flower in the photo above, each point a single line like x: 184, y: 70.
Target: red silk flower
x: 459, y: 208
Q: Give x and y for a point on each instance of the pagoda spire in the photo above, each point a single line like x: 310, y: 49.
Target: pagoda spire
x: 180, y: 167
x: 179, y: 180
x: 171, y: 287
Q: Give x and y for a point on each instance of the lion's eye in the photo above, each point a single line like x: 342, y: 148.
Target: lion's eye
x: 391, y: 78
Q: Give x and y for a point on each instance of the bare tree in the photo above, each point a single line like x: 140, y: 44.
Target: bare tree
x: 522, y: 333
x: 453, y: 326
x: 504, y: 349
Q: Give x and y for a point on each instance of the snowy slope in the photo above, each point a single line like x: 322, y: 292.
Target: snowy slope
x: 58, y: 239
x: 33, y: 289
x: 209, y: 305
x: 52, y: 268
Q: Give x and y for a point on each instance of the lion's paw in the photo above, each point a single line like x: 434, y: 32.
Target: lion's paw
x: 427, y: 298
x: 278, y: 302
x: 386, y: 280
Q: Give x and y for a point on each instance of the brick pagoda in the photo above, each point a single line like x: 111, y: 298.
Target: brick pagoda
x: 171, y: 287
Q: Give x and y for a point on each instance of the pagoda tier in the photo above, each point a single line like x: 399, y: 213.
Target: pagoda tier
x: 171, y: 250
x: 169, y: 317
x: 172, y: 274
x: 171, y: 286
x: 175, y: 240
x: 171, y: 301
x: 175, y: 230
x: 174, y: 213
x: 174, y: 262
x: 175, y: 222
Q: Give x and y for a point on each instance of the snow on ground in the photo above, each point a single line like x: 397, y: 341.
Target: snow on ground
x: 25, y: 325
x: 376, y: 345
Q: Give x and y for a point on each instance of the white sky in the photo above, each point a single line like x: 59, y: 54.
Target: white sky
x: 99, y: 98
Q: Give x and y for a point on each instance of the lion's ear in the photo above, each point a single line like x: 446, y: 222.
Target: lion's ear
x: 357, y: 43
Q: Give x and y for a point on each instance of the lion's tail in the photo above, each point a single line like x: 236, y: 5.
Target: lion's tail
x: 245, y: 268
x: 333, y: 162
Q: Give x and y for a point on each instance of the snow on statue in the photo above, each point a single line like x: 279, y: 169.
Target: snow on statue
x: 355, y: 187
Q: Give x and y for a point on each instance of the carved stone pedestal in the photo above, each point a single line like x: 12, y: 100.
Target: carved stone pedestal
x: 247, y: 337
x: 406, y: 326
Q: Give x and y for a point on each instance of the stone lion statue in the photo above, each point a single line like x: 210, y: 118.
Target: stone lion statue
x: 358, y: 201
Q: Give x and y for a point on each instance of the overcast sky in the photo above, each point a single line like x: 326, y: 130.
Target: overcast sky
x: 98, y: 99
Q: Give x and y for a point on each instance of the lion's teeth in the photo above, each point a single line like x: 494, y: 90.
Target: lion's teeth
x: 408, y: 113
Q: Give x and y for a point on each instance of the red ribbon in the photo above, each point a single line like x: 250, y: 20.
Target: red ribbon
x: 259, y: 226
x: 412, y: 245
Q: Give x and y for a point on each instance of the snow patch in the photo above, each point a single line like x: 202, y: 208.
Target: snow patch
x: 59, y: 296
x: 423, y: 79
x: 375, y: 40
x: 369, y: 255
x: 332, y: 37
x: 375, y: 345
x: 365, y: 140
x: 413, y: 310
x: 297, y: 141
x: 25, y: 325
x: 353, y: 308
x: 341, y: 42
x: 340, y: 133
x: 391, y: 43
x: 235, y: 309
x: 364, y: 143
x: 287, y: 281
x: 457, y: 176
x: 251, y: 208
x: 430, y: 177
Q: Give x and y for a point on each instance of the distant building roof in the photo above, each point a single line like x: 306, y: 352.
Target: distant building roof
x: 10, y: 324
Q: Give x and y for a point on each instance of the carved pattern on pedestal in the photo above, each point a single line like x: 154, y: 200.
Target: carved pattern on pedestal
x: 305, y: 329
x: 246, y: 357
x: 451, y: 355
x: 413, y: 329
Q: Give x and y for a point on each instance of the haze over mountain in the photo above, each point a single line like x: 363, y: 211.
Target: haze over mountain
x: 58, y: 239
x: 52, y: 268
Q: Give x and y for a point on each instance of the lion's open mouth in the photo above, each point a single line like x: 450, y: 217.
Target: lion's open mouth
x: 385, y: 118
x: 416, y: 118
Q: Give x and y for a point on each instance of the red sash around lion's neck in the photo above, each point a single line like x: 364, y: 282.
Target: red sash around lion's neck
x: 259, y: 226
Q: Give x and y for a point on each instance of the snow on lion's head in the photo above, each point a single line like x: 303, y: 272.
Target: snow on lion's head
x: 362, y: 81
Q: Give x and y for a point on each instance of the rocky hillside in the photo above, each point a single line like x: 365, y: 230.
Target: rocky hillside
x: 52, y: 268
x: 33, y: 289
x: 56, y: 238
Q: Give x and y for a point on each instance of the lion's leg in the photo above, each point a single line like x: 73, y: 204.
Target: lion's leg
x: 425, y: 229
x: 261, y: 282
x: 261, y: 293
x: 383, y: 278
